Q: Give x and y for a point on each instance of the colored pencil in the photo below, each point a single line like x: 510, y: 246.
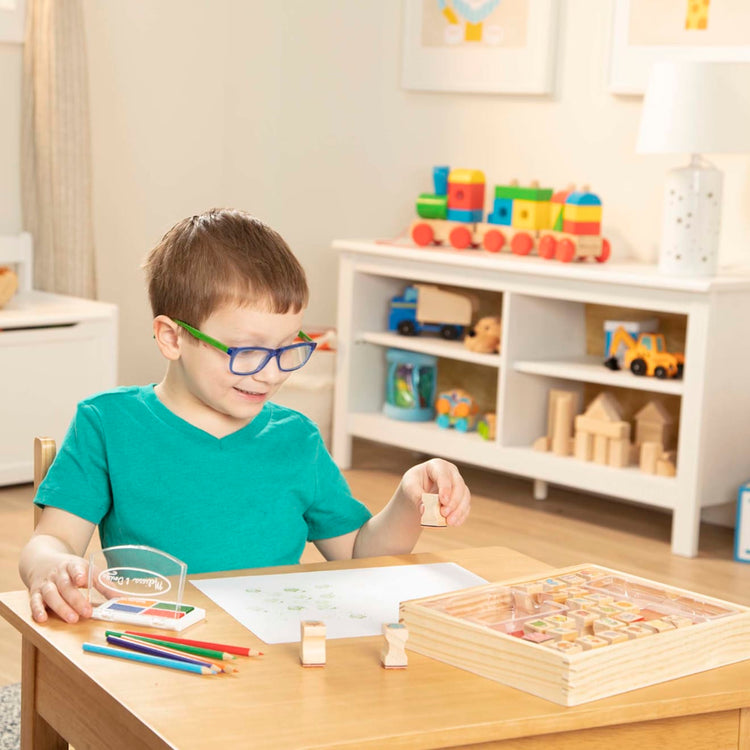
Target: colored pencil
x: 240, y: 650
x: 147, y: 648
x: 167, y: 650
x: 120, y: 653
x: 196, y: 650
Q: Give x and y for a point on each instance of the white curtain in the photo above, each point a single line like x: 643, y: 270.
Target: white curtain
x: 56, y: 148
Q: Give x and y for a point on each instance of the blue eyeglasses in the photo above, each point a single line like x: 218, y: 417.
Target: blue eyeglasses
x: 247, y: 360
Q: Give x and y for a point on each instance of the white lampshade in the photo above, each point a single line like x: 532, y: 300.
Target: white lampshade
x: 696, y: 107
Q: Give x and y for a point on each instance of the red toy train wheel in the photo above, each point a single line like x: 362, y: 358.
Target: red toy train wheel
x: 493, y: 241
x: 606, y: 250
x: 422, y: 234
x: 521, y: 244
x: 547, y: 247
x: 460, y: 238
x: 566, y: 251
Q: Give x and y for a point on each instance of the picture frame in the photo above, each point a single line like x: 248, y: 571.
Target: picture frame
x: 644, y: 32
x: 515, y: 54
x: 12, y: 21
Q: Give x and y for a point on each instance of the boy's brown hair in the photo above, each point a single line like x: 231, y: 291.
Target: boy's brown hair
x: 223, y: 256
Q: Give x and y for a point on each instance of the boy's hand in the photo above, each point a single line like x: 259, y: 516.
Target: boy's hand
x: 442, y: 478
x: 57, y: 589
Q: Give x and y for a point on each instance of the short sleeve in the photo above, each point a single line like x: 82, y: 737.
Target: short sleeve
x: 78, y: 480
x: 334, y: 510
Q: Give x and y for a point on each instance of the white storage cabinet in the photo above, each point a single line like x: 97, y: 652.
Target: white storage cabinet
x: 543, y: 347
x: 54, y: 351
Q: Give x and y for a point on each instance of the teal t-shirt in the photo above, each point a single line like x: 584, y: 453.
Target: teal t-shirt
x: 250, y: 499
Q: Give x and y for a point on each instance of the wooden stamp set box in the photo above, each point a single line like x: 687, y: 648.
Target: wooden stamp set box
x: 579, y: 634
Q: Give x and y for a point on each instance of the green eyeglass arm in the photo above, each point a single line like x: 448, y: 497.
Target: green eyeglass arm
x: 202, y: 336
x: 304, y: 336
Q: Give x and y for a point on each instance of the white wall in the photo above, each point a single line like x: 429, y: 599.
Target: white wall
x: 293, y: 110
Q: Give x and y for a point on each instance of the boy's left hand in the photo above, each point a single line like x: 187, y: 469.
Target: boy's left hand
x: 443, y: 479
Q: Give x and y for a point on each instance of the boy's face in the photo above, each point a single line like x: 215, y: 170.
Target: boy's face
x: 212, y: 387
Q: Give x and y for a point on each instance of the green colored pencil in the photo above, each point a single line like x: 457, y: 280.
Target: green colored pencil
x: 196, y: 650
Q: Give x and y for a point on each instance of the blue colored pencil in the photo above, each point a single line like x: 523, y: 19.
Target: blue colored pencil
x: 119, y: 653
x: 145, y: 648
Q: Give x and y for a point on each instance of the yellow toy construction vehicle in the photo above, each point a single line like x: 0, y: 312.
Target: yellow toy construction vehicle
x: 646, y: 356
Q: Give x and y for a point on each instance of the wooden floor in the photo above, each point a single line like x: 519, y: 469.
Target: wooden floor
x: 566, y: 529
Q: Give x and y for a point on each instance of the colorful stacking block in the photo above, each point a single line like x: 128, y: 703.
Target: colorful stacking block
x: 502, y: 212
x: 466, y: 189
x: 516, y: 192
x: 462, y: 214
x: 557, y: 206
x: 530, y: 214
x: 581, y: 227
x: 440, y: 180
x: 432, y: 206
x: 575, y: 212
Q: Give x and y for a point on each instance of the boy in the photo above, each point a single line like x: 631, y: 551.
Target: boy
x: 202, y: 465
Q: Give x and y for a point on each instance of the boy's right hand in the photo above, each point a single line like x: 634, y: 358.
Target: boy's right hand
x: 57, y: 589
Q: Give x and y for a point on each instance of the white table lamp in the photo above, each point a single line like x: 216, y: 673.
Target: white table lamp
x: 694, y: 108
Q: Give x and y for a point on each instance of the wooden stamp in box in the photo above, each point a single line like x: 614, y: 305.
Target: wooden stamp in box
x: 463, y: 637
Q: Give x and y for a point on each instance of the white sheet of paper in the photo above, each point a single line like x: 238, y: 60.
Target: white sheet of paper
x: 351, y: 602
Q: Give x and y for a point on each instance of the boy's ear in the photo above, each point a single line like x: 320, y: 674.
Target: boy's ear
x: 167, y: 335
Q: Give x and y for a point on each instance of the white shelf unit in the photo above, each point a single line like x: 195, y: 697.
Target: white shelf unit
x: 544, y: 346
x: 54, y: 351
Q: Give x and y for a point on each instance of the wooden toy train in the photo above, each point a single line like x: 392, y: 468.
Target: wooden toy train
x: 563, y: 225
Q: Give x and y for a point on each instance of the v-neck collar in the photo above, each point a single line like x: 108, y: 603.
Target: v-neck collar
x: 166, y: 415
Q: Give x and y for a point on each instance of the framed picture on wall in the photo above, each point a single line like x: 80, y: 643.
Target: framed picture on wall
x: 644, y: 31
x: 12, y: 20
x: 484, y: 46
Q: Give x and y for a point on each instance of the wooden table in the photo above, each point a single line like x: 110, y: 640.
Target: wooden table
x: 95, y: 702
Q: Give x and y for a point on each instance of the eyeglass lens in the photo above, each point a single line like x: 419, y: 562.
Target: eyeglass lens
x: 289, y: 358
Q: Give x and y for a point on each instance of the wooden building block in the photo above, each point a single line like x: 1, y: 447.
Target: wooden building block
x: 584, y: 446
x: 619, y: 453
x: 650, y: 453
x: 542, y: 444
x: 393, y: 655
x: 312, y: 644
x: 601, y: 449
x: 614, y: 430
x: 604, y: 407
x: 554, y: 395
x: 665, y: 468
x: 653, y: 424
x: 431, y: 515
x: 562, y: 428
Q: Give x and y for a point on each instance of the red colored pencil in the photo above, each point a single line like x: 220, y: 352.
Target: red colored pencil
x: 241, y: 650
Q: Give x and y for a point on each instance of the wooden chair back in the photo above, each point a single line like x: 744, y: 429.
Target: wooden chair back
x: 45, y: 450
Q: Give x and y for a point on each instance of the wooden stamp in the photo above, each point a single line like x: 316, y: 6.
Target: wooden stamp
x: 613, y: 636
x: 537, y: 637
x: 590, y: 642
x: 312, y: 644
x: 431, y: 515
x: 393, y: 655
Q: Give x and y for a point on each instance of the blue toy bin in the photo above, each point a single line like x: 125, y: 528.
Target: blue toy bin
x: 410, y: 386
